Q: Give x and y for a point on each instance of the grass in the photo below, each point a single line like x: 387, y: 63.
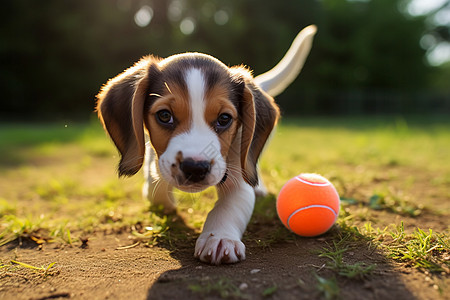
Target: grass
x: 394, y: 203
x: 328, y: 288
x: 41, y: 271
x: 223, y: 287
x: 44, y: 270
x: 422, y: 249
x: 335, y: 262
x: 16, y: 228
x: 58, y: 183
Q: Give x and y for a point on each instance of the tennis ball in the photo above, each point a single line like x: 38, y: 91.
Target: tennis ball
x: 308, y: 205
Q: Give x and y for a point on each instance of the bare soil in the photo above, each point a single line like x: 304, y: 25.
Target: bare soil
x: 100, y: 268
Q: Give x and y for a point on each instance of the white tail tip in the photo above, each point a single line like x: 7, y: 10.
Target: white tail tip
x: 275, y: 81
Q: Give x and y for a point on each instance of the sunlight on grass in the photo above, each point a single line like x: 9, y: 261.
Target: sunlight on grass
x: 325, y: 148
x: 59, y: 183
x: 421, y: 249
x: 13, y: 227
x: 14, y: 267
x: 6, y: 208
x: 425, y: 250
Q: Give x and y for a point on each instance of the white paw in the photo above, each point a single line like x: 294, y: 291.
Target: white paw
x: 216, y: 250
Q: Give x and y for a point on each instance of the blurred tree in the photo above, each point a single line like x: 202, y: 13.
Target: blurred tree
x: 436, y: 39
x: 372, y: 44
x: 55, y: 55
x: 364, y: 49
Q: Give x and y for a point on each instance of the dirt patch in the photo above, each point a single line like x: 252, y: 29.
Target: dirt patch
x: 289, y: 270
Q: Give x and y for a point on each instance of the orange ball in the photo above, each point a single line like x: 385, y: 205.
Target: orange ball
x: 308, y: 205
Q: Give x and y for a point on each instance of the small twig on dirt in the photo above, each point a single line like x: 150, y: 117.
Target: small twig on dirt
x: 323, y: 266
x: 129, y: 246
x: 319, y: 268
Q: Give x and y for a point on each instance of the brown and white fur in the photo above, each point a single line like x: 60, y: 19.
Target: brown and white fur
x: 193, y: 122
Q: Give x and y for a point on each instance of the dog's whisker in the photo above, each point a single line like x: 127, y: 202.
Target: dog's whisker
x: 155, y: 188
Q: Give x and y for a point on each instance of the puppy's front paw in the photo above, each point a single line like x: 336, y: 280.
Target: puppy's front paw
x: 216, y: 249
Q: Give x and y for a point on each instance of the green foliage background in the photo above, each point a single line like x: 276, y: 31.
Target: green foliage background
x: 367, y: 58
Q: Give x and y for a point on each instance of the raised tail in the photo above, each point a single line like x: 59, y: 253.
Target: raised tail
x: 275, y: 81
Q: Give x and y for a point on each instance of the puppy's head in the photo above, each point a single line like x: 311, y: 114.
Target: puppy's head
x: 195, y: 111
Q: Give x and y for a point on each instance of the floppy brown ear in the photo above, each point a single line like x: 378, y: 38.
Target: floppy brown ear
x: 259, y: 116
x: 248, y: 119
x: 120, y: 107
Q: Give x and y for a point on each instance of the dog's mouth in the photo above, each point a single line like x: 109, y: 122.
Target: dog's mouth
x: 186, y: 185
x: 192, y: 188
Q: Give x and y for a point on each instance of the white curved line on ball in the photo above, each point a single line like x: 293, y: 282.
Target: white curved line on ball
x: 311, y: 206
x: 312, y: 183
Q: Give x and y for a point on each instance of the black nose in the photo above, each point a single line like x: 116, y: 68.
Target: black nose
x: 195, y: 171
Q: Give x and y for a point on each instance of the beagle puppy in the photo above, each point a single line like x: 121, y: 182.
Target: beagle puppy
x: 194, y: 122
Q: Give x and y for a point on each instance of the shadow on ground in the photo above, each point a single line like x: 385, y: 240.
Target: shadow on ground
x: 289, y: 269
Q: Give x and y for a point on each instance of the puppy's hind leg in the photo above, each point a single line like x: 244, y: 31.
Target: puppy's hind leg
x: 260, y: 189
x: 155, y: 188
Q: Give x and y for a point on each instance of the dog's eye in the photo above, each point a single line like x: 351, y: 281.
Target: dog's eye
x: 223, y: 122
x: 164, y: 117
